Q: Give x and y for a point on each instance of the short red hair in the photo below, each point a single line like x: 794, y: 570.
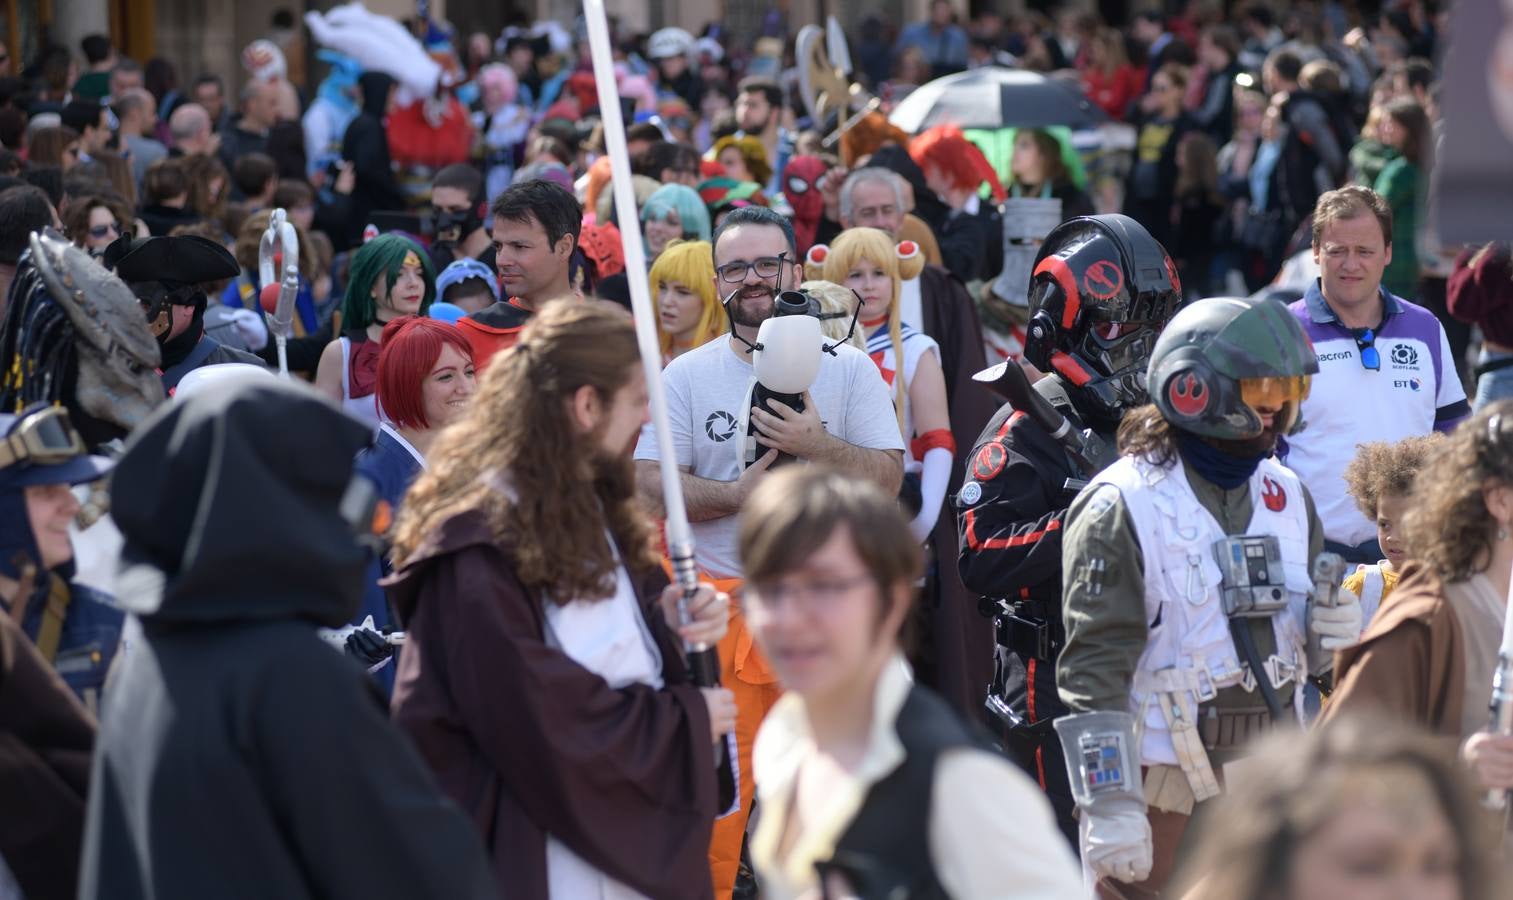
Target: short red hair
x: 947, y: 149
x: 411, y: 346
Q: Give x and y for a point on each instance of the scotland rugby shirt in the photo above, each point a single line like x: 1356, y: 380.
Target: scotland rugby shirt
x: 1415, y: 391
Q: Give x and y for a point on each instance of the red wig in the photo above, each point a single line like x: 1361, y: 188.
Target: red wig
x: 411, y: 346
x: 960, y: 160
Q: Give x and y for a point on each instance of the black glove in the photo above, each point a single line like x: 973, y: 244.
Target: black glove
x: 368, y: 647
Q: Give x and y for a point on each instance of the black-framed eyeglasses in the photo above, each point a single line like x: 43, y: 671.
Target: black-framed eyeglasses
x: 766, y: 267
x: 1365, y: 341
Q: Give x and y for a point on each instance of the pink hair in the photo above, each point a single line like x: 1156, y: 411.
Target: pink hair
x: 500, y: 79
x: 411, y: 346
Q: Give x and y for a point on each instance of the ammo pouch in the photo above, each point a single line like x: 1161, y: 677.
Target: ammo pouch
x: 1231, y: 728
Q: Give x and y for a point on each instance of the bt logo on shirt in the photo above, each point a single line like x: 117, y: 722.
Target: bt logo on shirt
x: 1413, y: 384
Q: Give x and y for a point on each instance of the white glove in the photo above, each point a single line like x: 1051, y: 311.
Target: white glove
x: 1117, y: 844
x: 251, y: 328
x: 1339, y: 626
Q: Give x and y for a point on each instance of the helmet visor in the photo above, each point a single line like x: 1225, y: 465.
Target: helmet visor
x: 1273, y: 393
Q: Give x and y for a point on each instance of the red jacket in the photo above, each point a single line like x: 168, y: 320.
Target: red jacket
x: 1113, y: 93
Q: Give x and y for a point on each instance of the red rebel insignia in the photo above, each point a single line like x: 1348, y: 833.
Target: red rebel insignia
x: 1273, y: 495
x: 1103, y: 279
x: 1187, y: 395
x: 989, y: 461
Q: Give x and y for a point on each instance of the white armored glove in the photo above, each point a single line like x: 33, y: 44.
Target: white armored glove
x: 1337, y: 626
x: 1117, y: 844
x: 251, y: 328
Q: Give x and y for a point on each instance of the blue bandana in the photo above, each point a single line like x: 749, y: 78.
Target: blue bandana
x: 1223, y: 469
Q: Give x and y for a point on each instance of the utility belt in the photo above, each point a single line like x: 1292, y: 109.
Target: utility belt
x: 1030, y: 628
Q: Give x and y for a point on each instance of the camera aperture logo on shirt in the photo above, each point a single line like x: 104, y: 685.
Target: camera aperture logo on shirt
x: 720, y: 426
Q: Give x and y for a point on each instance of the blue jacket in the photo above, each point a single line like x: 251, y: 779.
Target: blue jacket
x: 391, y: 465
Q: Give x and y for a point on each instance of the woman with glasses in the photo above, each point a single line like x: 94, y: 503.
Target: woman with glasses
x: 1431, y: 651
x: 869, y: 784
x: 93, y: 222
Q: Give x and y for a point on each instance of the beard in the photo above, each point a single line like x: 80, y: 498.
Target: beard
x: 752, y: 306
x: 1261, y: 445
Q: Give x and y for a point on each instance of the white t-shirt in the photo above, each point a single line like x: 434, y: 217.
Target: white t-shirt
x: 707, y: 388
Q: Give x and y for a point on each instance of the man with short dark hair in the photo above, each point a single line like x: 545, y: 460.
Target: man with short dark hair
x: 1385, y: 367
x: 210, y: 92
x: 99, y: 58
x: 23, y: 210
x: 92, y: 122
x: 456, y: 208
x: 848, y: 421
x: 256, y: 178
x: 535, y: 229
x: 759, y: 113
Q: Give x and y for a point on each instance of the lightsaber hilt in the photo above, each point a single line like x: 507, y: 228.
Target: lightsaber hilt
x: 703, y: 660
x: 1502, y: 715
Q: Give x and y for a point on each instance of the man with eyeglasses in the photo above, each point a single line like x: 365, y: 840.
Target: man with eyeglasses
x: 1386, y: 371
x: 848, y: 422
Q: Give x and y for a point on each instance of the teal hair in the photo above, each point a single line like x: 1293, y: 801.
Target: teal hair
x: 683, y: 200
x: 383, y: 256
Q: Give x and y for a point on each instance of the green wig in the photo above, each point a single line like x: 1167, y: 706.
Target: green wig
x: 384, y: 256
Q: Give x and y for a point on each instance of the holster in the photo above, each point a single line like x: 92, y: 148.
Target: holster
x: 1032, y: 629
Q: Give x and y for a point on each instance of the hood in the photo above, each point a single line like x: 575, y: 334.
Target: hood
x: 228, y: 504
x: 375, y: 92
x: 927, y: 206
x: 465, y: 529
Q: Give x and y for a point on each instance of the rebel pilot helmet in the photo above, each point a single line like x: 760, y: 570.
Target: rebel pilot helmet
x: 1221, y: 359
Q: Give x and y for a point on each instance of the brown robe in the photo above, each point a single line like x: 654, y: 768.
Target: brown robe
x: 1408, y: 665
x: 530, y: 743
x: 45, y: 741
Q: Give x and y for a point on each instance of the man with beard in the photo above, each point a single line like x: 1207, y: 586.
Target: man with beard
x: 1188, y: 573
x: 847, y: 421
x: 166, y: 274
x: 759, y: 114
x: 542, y: 676
x: 536, y: 226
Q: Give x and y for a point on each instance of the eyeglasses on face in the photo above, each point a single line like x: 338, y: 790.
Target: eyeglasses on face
x: 817, y: 595
x: 766, y: 267
x: 99, y: 231
x: 1365, y: 341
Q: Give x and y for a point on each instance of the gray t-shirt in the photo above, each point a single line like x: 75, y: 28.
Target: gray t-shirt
x: 707, y: 389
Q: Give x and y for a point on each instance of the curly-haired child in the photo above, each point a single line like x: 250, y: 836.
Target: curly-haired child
x: 1380, y: 478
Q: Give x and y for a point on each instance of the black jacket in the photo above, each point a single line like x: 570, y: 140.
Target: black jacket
x: 240, y: 756
x: 366, y: 146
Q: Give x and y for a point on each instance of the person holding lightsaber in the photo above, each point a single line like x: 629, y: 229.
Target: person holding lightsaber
x: 540, y: 679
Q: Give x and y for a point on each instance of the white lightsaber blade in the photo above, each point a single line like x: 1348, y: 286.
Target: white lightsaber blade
x: 679, y: 537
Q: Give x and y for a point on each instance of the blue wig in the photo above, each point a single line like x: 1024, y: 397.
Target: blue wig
x: 684, y: 201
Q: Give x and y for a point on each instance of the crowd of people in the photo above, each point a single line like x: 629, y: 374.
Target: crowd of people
x: 1124, y: 513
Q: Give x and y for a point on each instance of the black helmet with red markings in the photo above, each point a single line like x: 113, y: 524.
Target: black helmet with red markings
x: 1101, y: 291
x: 1224, y: 359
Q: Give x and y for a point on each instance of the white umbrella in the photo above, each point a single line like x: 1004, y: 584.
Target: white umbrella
x: 994, y: 97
